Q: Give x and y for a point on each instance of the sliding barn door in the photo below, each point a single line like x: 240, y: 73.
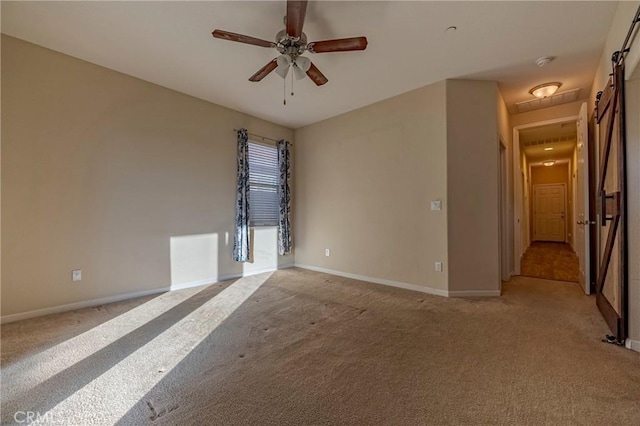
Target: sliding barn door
x: 611, y: 286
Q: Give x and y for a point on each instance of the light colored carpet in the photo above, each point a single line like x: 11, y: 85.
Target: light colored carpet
x: 551, y: 261
x: 309, y: 348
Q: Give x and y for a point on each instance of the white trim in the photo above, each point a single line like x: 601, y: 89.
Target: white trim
x: 248, y: 274
x: 547, y: 122
x: 79, y: 305
x: 634, y: 345
x: 190, y: 284
x: 475, y: 293
x: 213, y: 280
x: 374, y: 280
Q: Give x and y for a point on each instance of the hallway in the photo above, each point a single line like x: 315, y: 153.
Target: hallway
x: 551, y: 261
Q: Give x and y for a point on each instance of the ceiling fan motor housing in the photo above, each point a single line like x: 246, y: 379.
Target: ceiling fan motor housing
x: 292, y: 46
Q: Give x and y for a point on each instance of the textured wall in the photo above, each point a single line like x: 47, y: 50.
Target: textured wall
x: 472, y: 186
x: 364, y: 181
x: 99, y: 171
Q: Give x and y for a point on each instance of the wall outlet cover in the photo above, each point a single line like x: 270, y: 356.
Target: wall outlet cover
x: 76, y: 275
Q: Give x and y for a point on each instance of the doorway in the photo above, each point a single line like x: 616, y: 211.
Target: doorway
x: 545, y: 174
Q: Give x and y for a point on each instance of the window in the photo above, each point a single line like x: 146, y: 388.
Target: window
x: 263, y: 185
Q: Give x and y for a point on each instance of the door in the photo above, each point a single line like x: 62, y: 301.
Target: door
x: 582, y: 201
x: 611, y: 286
x: 548, y: 212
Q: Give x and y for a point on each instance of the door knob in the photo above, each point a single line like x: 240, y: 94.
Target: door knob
x: 580, y: 222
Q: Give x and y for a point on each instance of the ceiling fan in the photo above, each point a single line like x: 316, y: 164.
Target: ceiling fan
x: 291, y: 42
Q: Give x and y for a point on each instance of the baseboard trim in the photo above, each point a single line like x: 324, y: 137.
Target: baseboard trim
x: 374, y: 280
x: 190, y: 284
x: 475, y: 293
x: 120, y: 297
x: 79, y: 305
x: 634, y: 345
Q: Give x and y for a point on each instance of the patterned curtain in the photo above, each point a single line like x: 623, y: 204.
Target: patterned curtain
x: 241, y: 241
x: 285, y: 240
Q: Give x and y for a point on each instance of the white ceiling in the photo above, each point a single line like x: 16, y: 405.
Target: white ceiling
x: 170, y: 44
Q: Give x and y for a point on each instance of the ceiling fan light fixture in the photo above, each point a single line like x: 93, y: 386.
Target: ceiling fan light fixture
x: 304, y: 63
x: 298, y: 73
x: 545, y: 90
x: 284, y: 62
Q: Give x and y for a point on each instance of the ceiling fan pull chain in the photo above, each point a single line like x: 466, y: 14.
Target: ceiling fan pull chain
x: 284, y: 91
x: 292, y: 65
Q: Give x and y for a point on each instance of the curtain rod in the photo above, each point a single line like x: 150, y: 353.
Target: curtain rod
x: 259, y: 136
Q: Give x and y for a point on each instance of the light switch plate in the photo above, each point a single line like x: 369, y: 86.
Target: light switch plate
x: 436, y: 205
x: 76, y: 275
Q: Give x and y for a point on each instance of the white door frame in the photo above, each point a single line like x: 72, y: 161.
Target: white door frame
x: 518, y: 248
x: 503, y: 206
x: 582, y: 169
x: 566, y: 216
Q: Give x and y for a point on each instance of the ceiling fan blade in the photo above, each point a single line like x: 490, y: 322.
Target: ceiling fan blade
x: 338, y: 45
x: 264, y: 71
x: 296, y: 11
x: 240, y: 38
x: 314, y: 74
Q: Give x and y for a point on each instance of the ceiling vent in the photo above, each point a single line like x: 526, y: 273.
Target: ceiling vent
x: 550, y: 141
x: 553, y: 100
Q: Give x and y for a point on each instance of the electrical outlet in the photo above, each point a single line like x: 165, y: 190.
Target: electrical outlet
x: 439, y: 266
x: 327, y: 252
x: 76, y: 275
x: 436, y: 205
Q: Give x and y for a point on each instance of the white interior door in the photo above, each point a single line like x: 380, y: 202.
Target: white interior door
x: 549, y: 212
x: 582, y: 200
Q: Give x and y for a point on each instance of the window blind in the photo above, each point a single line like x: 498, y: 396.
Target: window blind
x: 263, y: 185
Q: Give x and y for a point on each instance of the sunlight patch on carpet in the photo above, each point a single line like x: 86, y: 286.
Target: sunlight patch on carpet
x: 106, y: 399
x: 40, y: 367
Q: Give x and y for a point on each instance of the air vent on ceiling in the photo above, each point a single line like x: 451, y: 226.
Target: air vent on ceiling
x: 550, y: 141
x: 556, y: 99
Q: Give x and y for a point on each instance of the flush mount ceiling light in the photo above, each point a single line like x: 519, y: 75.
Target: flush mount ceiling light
x: 545, y: 90
x: 548, y: 163
x: 549, y: 148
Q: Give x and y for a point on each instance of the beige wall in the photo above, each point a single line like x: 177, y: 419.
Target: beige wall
x: 100, y: 171
x: 633, y: 208
x: 472, y: 186
x: 558, y: 173
x: 364, y: 181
